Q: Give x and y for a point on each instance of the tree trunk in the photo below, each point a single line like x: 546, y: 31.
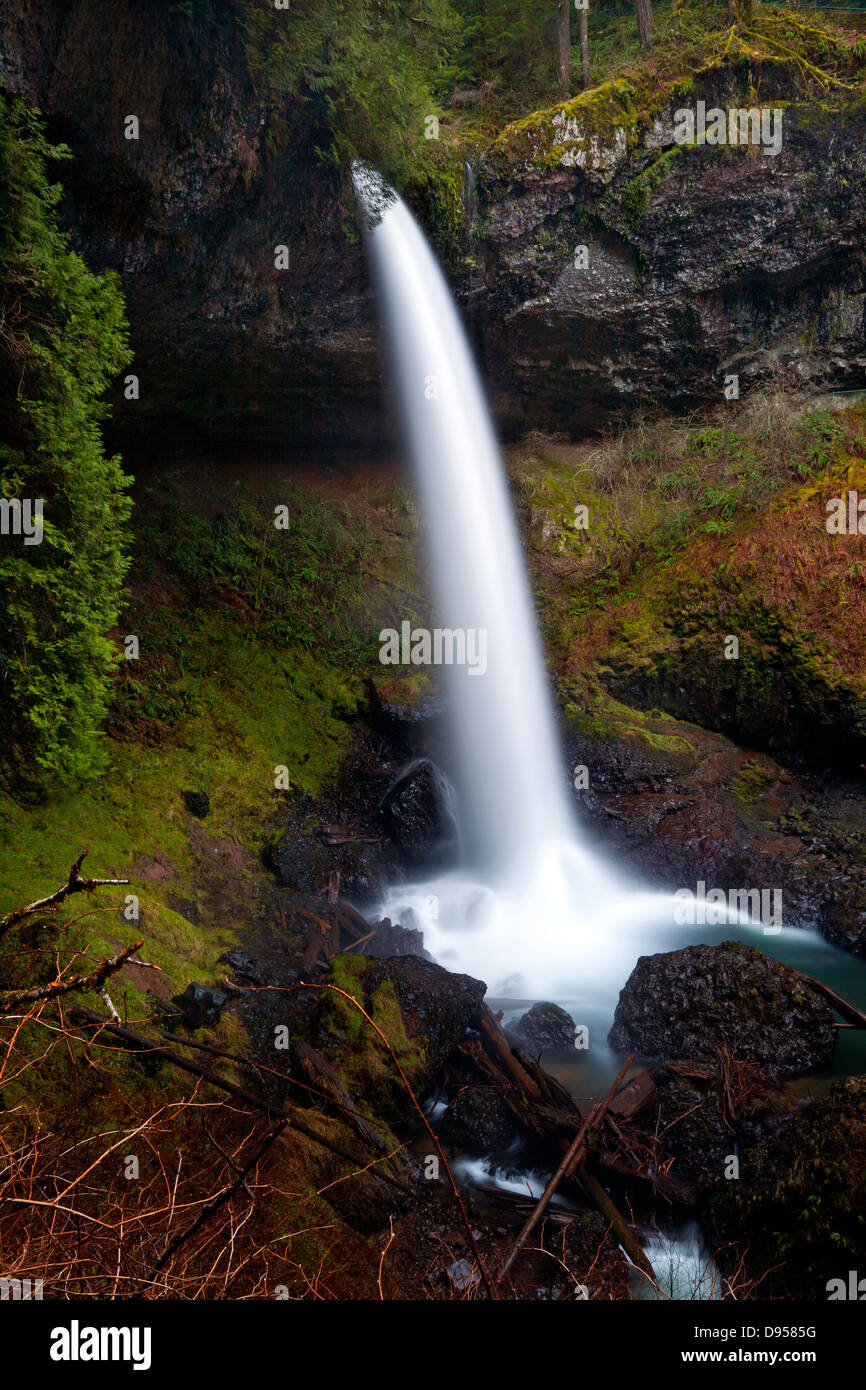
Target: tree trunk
x: 563, y: 47
x: 644, y: 22
x: 584, y: 46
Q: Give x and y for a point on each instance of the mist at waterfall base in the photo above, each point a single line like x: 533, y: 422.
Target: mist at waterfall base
x: 533, y: 909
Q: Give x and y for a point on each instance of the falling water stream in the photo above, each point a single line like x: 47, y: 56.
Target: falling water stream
x: 533, y: 909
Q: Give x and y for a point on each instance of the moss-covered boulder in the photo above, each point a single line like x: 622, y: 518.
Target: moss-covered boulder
x: 420, y: 1008
x: 796, y: 1216
x: 731, y: 998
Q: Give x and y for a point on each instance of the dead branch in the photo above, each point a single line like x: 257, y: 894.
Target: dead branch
x: 573, y: 1156
x: 12, y: 998
x: 849, y: 1012
x: 74, y: 884
x: 221, y: 1197
x: 165, y: 1054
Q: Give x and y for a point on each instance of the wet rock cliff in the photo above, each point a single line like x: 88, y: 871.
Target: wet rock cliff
x: 700, y: 261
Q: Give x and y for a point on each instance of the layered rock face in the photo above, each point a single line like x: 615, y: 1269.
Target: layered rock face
x: 701, y: 261
x: 227, y: 346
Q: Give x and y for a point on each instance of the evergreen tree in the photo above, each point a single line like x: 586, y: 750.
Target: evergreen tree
x: 62, y: 339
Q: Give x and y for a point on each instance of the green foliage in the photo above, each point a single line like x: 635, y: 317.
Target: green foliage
x: 372, y: 70
x: 509, y: 42
x: 637, y: 194
x: 62, y: 338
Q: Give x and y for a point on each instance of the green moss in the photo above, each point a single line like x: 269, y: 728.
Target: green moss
x: 636, y: 195
x: 366, y: 1058
x: 255, y: 646
x: 751, y: 781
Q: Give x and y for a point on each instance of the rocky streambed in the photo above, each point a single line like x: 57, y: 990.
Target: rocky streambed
x: 736, y: 1113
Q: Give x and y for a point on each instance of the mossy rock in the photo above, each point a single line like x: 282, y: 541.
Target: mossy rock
x: 421, y: 1009
x: 796, y: 1216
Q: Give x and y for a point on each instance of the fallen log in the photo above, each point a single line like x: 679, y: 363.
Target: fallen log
x: 623, y: 1232
x: 495, y: 1075
x: 852, y: 1015
x: 573, y: 1157
x: 496, y: 1041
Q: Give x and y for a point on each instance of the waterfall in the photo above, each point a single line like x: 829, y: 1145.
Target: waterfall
x: 510, y: 784
x: 522, y: 856
x: 533, y: 910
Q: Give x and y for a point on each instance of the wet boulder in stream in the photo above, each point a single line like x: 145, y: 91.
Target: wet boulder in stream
x: 416, y: 815
x: 705, y: 1000
x: 543, y: 1027
x: 479, y: 1122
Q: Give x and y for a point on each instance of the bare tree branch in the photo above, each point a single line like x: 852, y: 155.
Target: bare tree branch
x: 74, y: 884
x: 11, y: 998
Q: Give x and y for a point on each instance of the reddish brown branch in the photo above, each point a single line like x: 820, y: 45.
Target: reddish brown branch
x: 12, y: 998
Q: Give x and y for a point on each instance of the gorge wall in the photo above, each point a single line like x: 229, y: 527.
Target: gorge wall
x: 701, y: 261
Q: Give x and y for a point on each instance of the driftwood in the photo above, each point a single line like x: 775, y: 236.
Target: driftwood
x: 337, y: 919
x: 572, y: 1159
x: 852, y: 1015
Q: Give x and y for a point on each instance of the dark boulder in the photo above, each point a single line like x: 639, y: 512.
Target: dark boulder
x: 542, y: 1027
x: 705, y: 1112
x: 416, y: 815
x: 705, y: 999
x: 478, y: 1121
x: 392, y: 939
x: 200, y: 1005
